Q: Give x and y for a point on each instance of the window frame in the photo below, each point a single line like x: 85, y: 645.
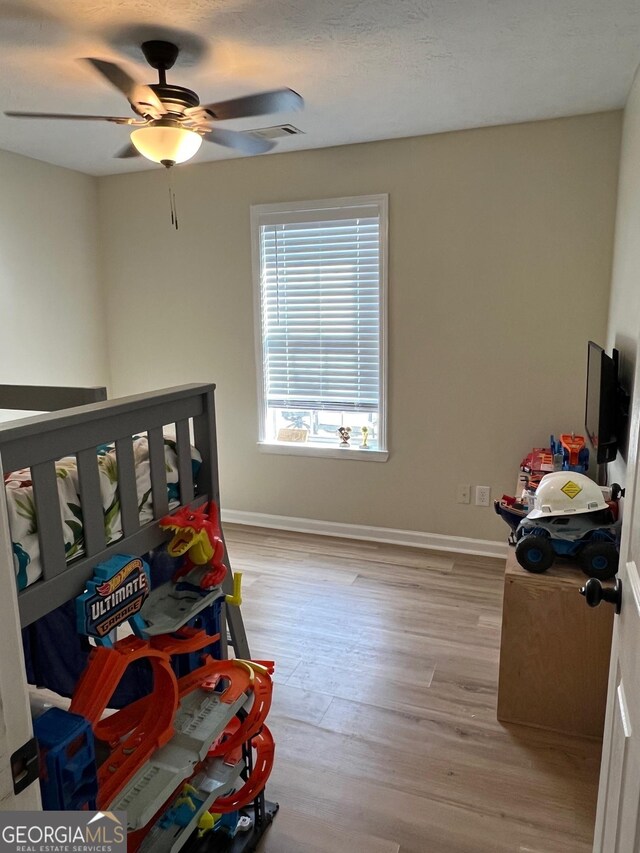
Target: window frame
x: 262, y: 214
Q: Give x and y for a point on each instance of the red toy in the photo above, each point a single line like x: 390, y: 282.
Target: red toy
x: 198, y: 538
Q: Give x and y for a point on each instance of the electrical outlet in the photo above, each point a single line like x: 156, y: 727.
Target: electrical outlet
x: 463, y: 495
x: 483, y: 495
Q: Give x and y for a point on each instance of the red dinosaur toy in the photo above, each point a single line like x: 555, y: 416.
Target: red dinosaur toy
x: 197, y: 537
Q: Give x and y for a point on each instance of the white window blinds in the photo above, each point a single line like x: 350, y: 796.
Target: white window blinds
x: 320, y: 296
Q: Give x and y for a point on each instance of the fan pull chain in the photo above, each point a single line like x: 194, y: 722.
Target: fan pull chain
x: 172, y: 201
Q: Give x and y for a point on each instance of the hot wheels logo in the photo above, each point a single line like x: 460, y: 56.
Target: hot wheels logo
x: 110, y: 586
x: 115, y: 595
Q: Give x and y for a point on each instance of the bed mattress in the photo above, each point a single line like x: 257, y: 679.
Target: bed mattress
x: 23, y: 521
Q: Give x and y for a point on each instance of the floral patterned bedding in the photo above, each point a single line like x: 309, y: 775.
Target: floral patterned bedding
x: 22, y: 514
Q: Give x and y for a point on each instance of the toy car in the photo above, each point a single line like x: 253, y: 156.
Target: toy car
x: 571, y: 519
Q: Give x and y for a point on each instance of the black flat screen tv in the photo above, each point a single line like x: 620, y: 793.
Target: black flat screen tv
x: 602, y: 412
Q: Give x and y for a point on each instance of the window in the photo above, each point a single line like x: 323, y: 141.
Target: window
x: 320, y: 280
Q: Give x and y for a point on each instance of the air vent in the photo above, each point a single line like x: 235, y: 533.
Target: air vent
x: 277, y: 132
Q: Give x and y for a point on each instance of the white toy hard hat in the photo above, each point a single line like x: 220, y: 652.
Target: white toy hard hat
x: 566, y: 493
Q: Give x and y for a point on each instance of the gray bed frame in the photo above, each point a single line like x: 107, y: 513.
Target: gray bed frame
x: 37, y: 442
x: 48, y: 398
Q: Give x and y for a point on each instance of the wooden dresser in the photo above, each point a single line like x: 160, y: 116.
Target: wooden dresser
x: 554, y: 651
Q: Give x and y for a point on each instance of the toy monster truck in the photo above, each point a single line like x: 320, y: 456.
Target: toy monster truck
x: 571, y: 519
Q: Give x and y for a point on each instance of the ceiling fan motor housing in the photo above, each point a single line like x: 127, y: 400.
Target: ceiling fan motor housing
x: 175, y: 98
x: 160, y: 55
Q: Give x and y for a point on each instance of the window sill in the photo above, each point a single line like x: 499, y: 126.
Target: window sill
x: 285, y: 448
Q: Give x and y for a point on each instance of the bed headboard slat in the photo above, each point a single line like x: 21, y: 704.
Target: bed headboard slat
x: 127, y: 490
x: 91, y: 501
x: 158, y: 471
x: 204, y: 429
x: 185, y: 471
x: 50, y: 535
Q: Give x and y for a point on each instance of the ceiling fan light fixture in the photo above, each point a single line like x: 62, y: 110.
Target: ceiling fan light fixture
x: 166, y: 143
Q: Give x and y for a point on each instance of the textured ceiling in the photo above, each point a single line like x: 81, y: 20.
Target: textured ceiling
x: 368, y: 69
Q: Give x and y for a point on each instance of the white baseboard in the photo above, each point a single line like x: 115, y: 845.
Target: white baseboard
x: 412, y: 538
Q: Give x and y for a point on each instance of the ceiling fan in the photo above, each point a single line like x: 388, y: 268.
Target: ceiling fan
x: 170, y: 123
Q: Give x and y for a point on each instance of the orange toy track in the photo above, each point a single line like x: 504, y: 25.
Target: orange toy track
x: 209, y: 675
x: 251, y: 725
x: 184, y: 640
x: 136, y: 731
x: 233, y: 756
x: 241, y: 677
x: 263, y: 763
x: 153, y: 725
x: 114, y: 727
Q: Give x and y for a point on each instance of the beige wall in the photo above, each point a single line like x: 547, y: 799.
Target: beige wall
x: 51, y: 308
x: 500, y: 260
x: 624, y: 314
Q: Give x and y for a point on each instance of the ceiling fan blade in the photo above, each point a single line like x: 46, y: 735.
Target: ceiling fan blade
x: 115, y: 119
x: 141, y: 97
x: 127, y: 152
x: 280, y: 100
x: 245, y: 142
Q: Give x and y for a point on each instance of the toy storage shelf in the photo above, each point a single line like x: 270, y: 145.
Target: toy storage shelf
x: 554, y: 651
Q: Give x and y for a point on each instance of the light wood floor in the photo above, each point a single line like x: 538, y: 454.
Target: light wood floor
x: 385, y: 706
